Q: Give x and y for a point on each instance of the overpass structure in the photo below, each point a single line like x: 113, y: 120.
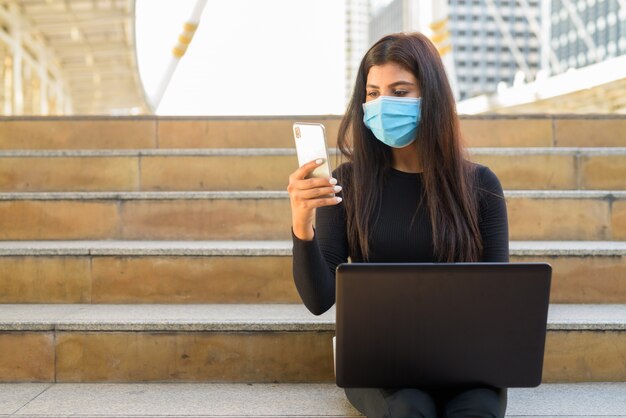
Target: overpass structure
x: 60, y: 57
x: 597, y: 88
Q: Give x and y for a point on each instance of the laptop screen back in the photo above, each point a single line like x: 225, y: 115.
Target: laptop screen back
x: 447, y: 324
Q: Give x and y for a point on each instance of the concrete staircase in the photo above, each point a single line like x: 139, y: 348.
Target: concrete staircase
x: 146, y: 249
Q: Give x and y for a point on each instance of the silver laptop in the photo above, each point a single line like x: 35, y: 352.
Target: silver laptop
x: 444, y: 324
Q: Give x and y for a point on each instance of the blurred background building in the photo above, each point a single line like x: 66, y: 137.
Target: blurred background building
x: 584, y: 32
x: 68, y: 57
x: 493, y: 40
x: 507, y: 56
x: 357, y: 39
x: 582, y: 67
x: 397, y: 16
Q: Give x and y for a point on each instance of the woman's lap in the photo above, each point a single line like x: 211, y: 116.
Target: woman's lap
x: 429, y: 403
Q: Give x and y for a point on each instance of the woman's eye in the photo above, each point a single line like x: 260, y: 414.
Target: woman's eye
x: 400, y: 92
x: 372, y: 93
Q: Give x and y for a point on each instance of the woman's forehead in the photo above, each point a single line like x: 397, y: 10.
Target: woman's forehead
x: 388, y: 73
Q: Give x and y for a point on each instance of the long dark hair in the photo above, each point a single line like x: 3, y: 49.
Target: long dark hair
x: 449, y: 178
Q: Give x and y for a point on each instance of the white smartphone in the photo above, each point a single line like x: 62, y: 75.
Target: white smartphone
x: 310, y: 145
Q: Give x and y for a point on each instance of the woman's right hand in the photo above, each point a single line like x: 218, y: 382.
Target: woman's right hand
x: 306, y: 195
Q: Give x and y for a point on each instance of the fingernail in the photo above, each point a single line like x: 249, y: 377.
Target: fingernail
x: 332, y: 181
x: 338, y: 199
x: 337, y: 189
x: 319, y: 161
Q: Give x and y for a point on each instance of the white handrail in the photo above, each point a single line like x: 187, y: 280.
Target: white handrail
x: 184, y: 39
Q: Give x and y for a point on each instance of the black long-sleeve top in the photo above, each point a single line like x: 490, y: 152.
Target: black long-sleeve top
x: 394, y: 237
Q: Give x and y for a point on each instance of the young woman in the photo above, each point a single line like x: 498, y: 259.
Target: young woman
x: 409, y: 195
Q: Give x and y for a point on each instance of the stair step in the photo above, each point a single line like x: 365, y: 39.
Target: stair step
x: 246, y: 271
x: 93, y: 132
x: 272, y: 400
x: 249, y: 169
x: 244, y: 317
x: 544, y: 130
x: 105, y: 132
x: 168, y: 248
x: 102, y: 132
x: 268, y: 248
x: 247, y: 343
x: 252, y: 215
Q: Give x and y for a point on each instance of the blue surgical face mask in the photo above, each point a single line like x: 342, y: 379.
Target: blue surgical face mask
x: 393, y: 120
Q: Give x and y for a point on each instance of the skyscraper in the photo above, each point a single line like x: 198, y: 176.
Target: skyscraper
x: 493, y: 40
x: 397, y: 16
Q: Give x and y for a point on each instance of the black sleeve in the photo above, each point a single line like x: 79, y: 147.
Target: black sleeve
x: 315, y: 261
x: 493, y: 220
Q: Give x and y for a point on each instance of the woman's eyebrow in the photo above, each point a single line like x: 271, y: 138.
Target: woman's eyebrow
x: 397, y: 83
x: 401, y: 82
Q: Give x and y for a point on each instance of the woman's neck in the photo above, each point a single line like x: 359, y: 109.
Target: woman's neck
x: 407, y: 159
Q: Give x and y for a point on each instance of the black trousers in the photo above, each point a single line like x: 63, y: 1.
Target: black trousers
x: 468, y: 402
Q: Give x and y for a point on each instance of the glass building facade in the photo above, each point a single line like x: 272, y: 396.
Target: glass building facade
x: 584, y: 32
x: 483, y: 46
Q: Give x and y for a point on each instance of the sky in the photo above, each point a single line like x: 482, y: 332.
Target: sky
x: 248, y: 57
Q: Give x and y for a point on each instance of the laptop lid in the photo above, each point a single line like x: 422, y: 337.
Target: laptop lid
x: 444, y: 324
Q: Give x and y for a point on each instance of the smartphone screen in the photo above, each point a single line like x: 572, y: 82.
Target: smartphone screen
x: 310, y: 145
